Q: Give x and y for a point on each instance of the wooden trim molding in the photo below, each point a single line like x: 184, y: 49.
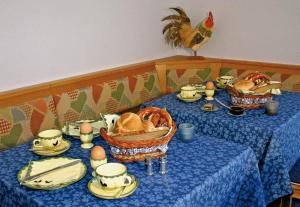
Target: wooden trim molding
x: 21, y: 95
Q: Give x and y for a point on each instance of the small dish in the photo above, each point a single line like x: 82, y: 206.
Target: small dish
x: 215, y: 108
x: 63, y: 147
x: 243, y: 114
x: 196, y: 98
x: 236, y: 110
x: 74, y: 128
x: 111, y: 193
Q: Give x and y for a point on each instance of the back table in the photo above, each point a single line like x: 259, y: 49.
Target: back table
x: 275, y: 140
x: 207, y: 172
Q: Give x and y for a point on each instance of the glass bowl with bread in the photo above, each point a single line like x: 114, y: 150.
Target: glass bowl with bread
x: 137, y: 136
x: 253, y: 91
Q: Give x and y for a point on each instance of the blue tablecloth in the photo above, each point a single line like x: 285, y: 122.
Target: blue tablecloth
x: 207, y: 172
x: 275, y: 140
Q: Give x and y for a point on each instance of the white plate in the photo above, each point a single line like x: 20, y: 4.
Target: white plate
x: 53, y: 180
x: 74, y: 130
x: 196, y: 98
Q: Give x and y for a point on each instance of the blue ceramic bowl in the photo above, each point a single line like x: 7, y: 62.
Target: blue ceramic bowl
x: 186, y: 131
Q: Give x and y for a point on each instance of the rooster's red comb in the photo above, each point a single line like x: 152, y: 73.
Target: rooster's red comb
x: 209, y: 23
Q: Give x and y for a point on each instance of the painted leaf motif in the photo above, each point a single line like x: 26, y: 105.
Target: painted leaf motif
x: 79, y: 103
x: 149, y: 84
x: 225, y: 71
x: 36, y: 121
x: 11, y: 140
x: 56, y: 99
x: 39, y: 104
x: 180, y: 72
x: 155, y: 92
x: 204, y: 73
x: 125, y: 101
x: 88, y: 113
x: 96, y: 91
x: 18, y: 115
x: 132, y: 83
x: 269, y: 73
x: 117, y: 94
x: 171, y: 84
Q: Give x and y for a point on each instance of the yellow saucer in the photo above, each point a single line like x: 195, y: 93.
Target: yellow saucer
x: 196, y: 98
x: 102, y: 192
x: 64, y: 146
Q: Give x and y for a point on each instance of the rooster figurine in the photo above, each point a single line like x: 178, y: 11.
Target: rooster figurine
x: 179, y: 31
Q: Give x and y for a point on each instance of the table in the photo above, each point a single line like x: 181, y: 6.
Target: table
x: 206, y: 172
x: 275, y: 140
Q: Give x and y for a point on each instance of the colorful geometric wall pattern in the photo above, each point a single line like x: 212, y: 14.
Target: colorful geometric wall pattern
x: 21, y: 123
x: 110, y: 97
x: 179, y: 77
x: 290, y: 82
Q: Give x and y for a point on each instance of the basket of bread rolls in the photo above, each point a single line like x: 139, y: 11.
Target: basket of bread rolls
x: 136, y: 136
x: 253, y: 91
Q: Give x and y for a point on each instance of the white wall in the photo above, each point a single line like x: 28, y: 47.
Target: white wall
x: 263, y: 30
x: 44, y: 40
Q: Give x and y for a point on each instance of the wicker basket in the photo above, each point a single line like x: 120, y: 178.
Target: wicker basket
x: 247, y: 101
x: 126, y: 150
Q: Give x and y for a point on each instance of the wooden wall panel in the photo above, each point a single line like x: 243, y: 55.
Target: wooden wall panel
x: 183, y: 62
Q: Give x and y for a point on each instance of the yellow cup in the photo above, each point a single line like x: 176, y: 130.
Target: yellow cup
x: 188, y: 91
x: 113, y: 175
x: 48, y: 138
x: 225, y: 80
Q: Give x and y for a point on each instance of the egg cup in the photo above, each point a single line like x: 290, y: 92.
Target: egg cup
x: 86, y: 139
x: 97, y: 163
x: 209, y: 94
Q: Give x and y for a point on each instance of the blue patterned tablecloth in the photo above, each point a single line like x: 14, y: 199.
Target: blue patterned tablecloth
x: 275, y: 140
x: 206, y: 172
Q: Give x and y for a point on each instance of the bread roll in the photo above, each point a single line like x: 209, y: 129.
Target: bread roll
x: 148, y: 126
x: 128, y: 123
x: 159, y: 117
x: 244, y: 85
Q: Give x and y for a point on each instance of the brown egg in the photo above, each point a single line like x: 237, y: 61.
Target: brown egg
x: 98, y: 153
x: 210, y: 85
x: 86, y: 128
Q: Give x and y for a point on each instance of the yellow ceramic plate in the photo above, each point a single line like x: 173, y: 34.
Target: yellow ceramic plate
x: 196, y: 98
x: 63, y: 147
x: 74, y: 128
x: 53, y: 180
x: 102, y: 192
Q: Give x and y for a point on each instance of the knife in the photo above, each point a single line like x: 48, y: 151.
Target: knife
x: 29, y: 178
